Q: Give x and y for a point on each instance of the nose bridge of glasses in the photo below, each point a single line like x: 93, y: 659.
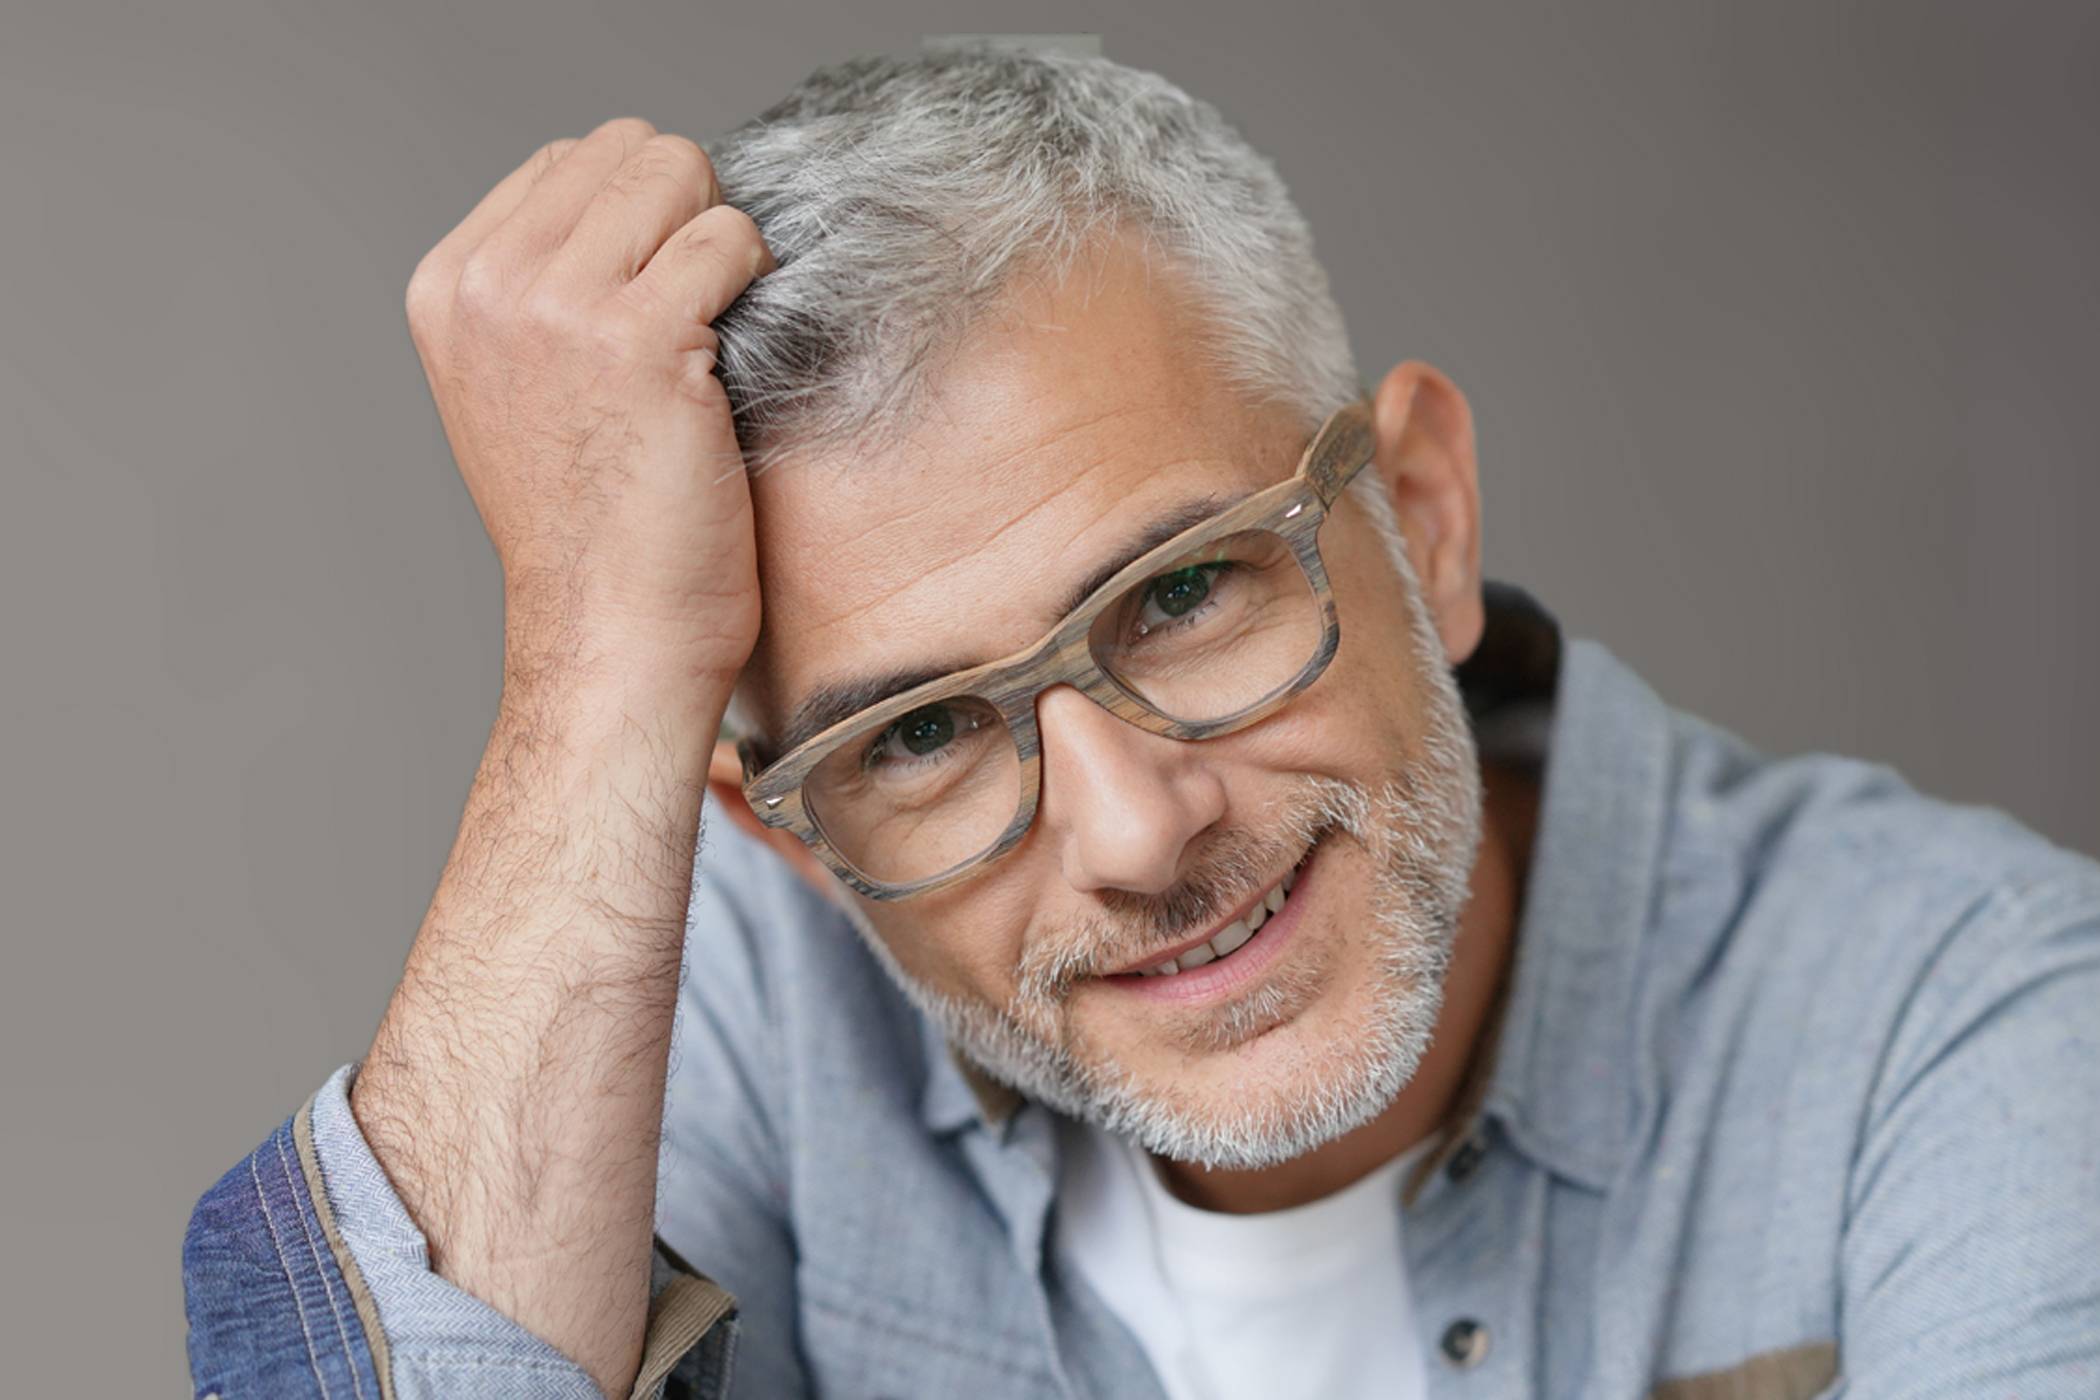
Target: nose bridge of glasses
x: 1091, y: 682
x: 1086, y: 718
x: 1117, y: 794
x: 1064, y: 662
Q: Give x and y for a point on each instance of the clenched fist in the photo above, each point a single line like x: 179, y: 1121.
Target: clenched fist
x: 565, y: 329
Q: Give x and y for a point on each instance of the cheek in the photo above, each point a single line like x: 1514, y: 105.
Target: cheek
x: 1354, y: 723
x: 963, y: 942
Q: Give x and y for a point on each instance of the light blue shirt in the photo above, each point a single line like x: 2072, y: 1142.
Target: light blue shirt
x: 1796, y: 1092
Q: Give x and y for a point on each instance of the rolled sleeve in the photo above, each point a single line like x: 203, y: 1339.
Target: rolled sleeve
x: 438, y: 1340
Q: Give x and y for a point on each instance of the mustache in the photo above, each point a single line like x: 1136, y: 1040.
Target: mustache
x: 1235, y: 864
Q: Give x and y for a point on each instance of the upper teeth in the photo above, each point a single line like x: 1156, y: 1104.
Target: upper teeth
x: 1231, y: 937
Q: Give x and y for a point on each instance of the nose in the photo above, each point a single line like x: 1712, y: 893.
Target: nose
x: 1121, y: 804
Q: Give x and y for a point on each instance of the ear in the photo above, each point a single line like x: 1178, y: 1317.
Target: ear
x: 1427, y: 461
x: 725, y: 780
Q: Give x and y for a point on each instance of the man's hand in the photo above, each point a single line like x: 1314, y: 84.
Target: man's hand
x: 514, y: 1092
x: 564, y: 327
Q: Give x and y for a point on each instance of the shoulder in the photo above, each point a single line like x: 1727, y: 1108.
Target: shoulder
x: 1828, y: 896
x: 1843, y: 845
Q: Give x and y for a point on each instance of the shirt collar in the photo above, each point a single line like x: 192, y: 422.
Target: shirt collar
x: 1559, y: 1079
x: 958, y: 1094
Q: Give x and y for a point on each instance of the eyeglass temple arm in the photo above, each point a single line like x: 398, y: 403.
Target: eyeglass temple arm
x: 749, y: 756
x: 1347, y: 442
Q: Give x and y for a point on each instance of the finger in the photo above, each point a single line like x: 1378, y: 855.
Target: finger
x: 497, y: 204
x: 662, y: 186
x: 700, y: 269
x: 517, y: 248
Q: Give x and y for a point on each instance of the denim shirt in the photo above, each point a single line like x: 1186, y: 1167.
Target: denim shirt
x: 1795, y: 1092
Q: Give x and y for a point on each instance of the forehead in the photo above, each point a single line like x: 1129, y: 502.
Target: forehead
x: 1057, y: 433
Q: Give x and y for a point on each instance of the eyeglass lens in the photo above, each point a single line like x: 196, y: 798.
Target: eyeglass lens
x: 1214, y: 634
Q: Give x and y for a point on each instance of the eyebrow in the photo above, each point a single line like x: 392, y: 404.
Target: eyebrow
x: 837, y: 700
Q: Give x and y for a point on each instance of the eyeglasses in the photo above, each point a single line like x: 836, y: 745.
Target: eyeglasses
x: 1203, y: 635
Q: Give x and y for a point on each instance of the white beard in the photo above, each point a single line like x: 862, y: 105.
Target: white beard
x: 1420, y: 830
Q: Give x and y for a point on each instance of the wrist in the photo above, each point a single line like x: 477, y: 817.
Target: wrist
x: 606, y: 734
x: 585, y: 637
x: 673, y: 694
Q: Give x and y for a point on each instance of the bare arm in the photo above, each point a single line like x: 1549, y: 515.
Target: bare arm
x: 514, y: 1092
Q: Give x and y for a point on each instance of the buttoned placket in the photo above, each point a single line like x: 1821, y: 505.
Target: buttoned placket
x: 1473, y: 1236
x: 1014, y: 1158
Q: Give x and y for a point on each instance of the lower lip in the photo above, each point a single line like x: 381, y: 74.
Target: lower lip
x: 1228, y: 976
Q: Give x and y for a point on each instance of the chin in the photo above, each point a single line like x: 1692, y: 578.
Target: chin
x: 1322, y: 1046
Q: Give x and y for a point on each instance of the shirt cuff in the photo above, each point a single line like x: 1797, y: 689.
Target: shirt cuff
x: 441, y: 1340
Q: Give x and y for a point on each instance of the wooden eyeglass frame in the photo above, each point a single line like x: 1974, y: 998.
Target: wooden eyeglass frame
x: 1293, y: 510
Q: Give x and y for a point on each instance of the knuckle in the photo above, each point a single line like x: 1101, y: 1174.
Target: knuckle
x: 721, y: 248
x: 684, y: 159
x: 647, y: 166
x: 737, y: 234
x: 551, y: 312
x: 728, y: 221
x: 429, y: 293
x: 550, y: 155
x: 551, y: 315
x: 630, y: 131
x: 680, y: 153
x: 484, y: 287
x: 663, y: 160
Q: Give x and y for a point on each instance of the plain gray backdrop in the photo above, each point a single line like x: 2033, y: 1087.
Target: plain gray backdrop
x: 1780, y: 323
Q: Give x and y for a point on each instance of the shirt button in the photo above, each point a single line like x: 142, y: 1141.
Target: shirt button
x: 1465, y: 1343
x: 1466, y: 1159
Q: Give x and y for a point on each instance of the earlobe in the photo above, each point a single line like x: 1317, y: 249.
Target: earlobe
x: 1426, y: 457
x: 725, y: 782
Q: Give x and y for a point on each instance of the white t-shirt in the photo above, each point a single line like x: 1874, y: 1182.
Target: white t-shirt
x: 1312, y: 1300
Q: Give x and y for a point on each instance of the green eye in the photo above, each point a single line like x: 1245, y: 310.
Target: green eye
x: 923, y: 731
x: 1181, y: 590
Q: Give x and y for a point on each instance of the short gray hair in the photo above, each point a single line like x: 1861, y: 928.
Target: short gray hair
x: 903, y: 197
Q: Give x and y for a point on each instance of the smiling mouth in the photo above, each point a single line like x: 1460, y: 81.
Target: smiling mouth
x: 1229, y: 939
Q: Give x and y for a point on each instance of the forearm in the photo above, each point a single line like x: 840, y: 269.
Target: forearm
x: 514, y: 1091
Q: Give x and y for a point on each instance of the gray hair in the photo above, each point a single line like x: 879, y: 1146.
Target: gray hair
x: 904, y: 197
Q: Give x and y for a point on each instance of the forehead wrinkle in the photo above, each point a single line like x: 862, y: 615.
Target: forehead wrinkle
x: 971, y: 551
x: 996, y: 465
x: 1110, y: 505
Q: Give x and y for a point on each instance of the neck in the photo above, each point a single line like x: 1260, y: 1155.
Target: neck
x: 1480, y: 956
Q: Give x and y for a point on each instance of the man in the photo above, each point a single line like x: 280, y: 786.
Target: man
x: 1172, y: 928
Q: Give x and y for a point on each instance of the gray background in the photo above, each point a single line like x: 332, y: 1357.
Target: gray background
x: 1780, y: 323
